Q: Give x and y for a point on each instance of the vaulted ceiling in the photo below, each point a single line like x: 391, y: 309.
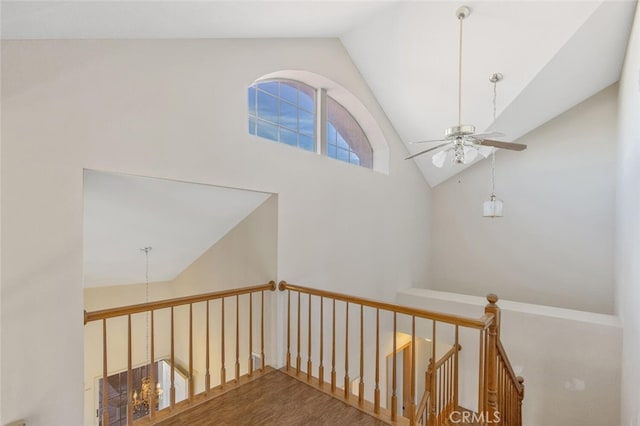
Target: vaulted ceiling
x: 178, y: 220
x: 552, y: 54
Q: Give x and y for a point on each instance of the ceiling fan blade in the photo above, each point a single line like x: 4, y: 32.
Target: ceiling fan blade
x: 427, y: 150
x: 488, y: 135
x: 434, y: 140
x: 503, y: 145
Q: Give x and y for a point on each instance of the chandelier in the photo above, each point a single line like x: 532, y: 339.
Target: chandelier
x: 141, y: 401
x: 142, y: 398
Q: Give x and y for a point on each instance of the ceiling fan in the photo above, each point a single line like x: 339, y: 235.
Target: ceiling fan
x: 462, y: 140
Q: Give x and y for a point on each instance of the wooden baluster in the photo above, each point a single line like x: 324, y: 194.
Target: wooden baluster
x: 508, y: 400
x: 223, y: 370
x: 347, y: 383
x: 129, y: 375
x: 440, y: 393
x: 309, y: 369
x: 207, y: 374
x: 433, y: 391
x: 288, y: 329
x: 262, y: 331
x: 298, y: 359
x: 394, y: 397
x: 152, y: 366
x: 481, y: 392
x: 456, y: 378
x: 376, y: 392
x: 412, y: 394
x: 190, y: 352
x: 361, y: 385
x: 237, y: 338
x: 172, y: 390
x: 333, y: 349
x: 493, y: 334
x: 250, y: 370
x: 105, y: 382
x: 321, y: 367
x: 451, y: 384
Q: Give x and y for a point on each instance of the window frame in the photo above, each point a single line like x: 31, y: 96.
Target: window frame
x: 321, y: 121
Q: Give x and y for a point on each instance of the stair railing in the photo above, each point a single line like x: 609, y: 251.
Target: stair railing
x: 446, y: 371
x: 437, y: 403
x: 211, y: 315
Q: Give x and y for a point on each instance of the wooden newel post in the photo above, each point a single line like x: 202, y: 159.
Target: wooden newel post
x: 491, y: 359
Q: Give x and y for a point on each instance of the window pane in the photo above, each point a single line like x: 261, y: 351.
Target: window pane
x: 343, y: 155
x: 288, y: 115
x: 332, y: 151
x: 269, y: 86
x: 342, y: 143
x: 267, y: 107
x: 288, y: 137
x: 306, y: 142
x: 284, y: 111
x: 251, y: 93
x: 306, y: 98
x: 267, y: 130
x: 349, y: 136
x: 331, y: 134
x: 289, y: 92
x: 306, y: 123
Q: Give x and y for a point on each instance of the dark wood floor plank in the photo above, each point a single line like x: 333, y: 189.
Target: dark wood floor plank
x: 274, y: 399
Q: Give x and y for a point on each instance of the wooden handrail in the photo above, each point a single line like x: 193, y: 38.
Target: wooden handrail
x: 145, y: 307
x: 516, y: 380
x: 423, y: 404
x: 479, y: 323
x: 448, y: 355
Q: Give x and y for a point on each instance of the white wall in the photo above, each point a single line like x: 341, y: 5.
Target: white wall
x: 569, y: 359
x: 554, y: 246
x: 628, y: 227
x: 176, y: 110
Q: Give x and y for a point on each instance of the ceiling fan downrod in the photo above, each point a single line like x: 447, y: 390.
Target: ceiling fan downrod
x: 462, y: 13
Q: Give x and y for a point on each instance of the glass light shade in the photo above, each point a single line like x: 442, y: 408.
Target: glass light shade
x: 493, y: 207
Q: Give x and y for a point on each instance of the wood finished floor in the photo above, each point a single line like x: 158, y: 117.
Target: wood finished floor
x: 274, y: 399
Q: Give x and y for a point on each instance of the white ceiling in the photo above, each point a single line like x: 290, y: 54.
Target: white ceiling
x: 179, y: 220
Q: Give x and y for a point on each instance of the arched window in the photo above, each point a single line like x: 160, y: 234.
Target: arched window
x: 284, y: 111
x: 289, y: 111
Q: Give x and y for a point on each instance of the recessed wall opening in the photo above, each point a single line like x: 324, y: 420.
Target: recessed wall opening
x: 199, y: 239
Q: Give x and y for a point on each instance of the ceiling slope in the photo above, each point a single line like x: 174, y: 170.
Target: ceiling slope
x: 179, y: 220
x: 553, y: 55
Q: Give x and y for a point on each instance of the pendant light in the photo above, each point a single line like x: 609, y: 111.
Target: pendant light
x: 143, y: 398
x: 493, y: 207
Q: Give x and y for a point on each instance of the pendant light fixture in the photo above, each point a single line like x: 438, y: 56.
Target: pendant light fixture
x: 493, y: 207
x: 142, y: 398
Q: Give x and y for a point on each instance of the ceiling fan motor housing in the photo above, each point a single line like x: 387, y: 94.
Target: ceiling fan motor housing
x: 462, y: 130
